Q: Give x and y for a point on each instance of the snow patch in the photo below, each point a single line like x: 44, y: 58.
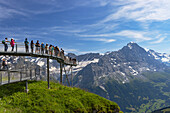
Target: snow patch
x: 53, y: 69
x: 103, y: 88
x: 40, y: 63
x: 50, y: 60
x: 130, y: 47
x: 82, y: 64
x: 165, y: 60
x: 146, y: 49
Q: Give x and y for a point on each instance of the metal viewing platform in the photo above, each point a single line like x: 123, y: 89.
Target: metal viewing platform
x: 19, y: 51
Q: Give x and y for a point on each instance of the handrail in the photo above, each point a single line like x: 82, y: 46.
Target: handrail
x: 29, y: 75
x: 20, y: 48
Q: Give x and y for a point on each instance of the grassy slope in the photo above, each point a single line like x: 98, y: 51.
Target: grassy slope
x: 59, y: 99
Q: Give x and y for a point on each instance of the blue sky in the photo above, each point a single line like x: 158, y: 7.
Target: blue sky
x: 83, y: 26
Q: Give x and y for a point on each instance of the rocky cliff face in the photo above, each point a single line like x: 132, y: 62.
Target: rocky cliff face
x: 123, y: 65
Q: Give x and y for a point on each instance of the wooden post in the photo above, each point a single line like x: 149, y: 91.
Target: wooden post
x: 8, y: 76
x: 48, y: 73
x: 61, y: 73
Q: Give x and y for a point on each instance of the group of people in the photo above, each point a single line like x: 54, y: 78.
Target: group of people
x: 43, y: 48
x: 39, y: 48
x: 5, y: 42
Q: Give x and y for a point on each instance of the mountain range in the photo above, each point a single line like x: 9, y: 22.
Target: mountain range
x: 134, y: 77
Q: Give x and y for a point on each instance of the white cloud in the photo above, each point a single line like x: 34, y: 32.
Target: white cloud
x: 141, y: 10
x: 100, y: 39
x: 159, y: 40
x: 136, y: 35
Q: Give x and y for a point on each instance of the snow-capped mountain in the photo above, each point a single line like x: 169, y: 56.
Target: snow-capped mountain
x: 123, y: 65
x: 163, y: 57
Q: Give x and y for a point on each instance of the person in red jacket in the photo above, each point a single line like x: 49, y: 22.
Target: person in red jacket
x: 12, y: 44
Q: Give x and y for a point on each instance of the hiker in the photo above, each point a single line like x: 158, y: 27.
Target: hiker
x: 42, y: 48
x: 12, y: 44
x: 5, y: 44
x: 4, y: 64
x: 56, y: 49
x: 50, y: 49
x: 62, y: 53
x: 37, y: 45
x: 32, y: 46
x: 46, y: 49
x: 26, y: 45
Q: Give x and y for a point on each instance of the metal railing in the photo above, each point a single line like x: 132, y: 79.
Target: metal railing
x: 10, y: 76
x: 20, y: 48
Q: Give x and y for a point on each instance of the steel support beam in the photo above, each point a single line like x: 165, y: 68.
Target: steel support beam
x: 48, y: 73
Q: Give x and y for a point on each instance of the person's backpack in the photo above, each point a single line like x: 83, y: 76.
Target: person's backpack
x: 43, y: 46
x: 3, y: 41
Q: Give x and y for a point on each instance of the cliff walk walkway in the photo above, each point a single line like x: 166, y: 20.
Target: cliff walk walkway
x: 19, y: 50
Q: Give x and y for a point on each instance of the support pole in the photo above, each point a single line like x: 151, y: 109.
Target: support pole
x: 67, y: 75
x: 0, y: 78
x: 72, y: 76
x: 48, y: 73
x: 26, y: 87
x: 35, y: 73
x: 61, y: 73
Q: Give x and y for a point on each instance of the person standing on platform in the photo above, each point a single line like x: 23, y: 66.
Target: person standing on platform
x: 26, y: 45
x: 42, y: 48
x: 46, y: 49
x: 37, y: 45
x: 62, y: 53
x: 5, y: 44
x: 32, y: 46
x: 56, y: 49
x: 12, y: 44
x: 50, y: 49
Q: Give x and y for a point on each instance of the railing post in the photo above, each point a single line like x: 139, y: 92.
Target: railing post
x: 30, y: 74
x: 20, y: 76
x: 61, y: 73
x: 8, y: 76
x: 48, y: 73
x: 16, y: 47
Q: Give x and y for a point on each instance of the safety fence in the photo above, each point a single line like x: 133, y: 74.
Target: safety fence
x: 20, y: 48
x: 10, y: 76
